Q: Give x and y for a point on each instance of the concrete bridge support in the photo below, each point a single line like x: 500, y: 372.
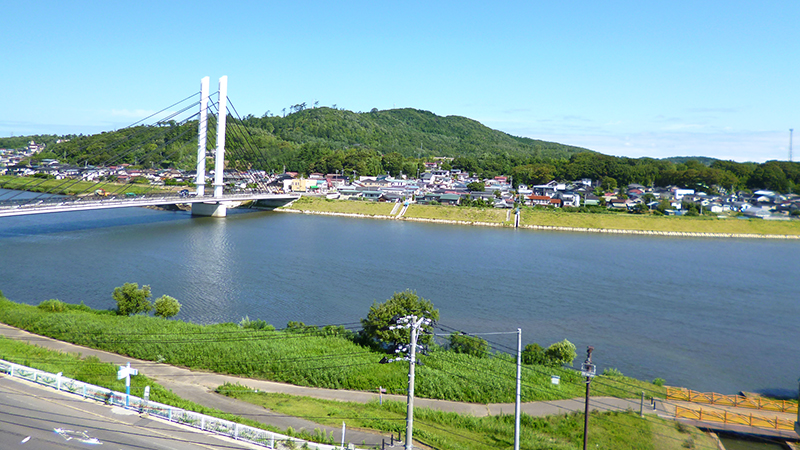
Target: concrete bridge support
x: 209, y: 209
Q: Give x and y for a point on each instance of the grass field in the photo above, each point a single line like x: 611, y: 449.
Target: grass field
x: 559, y: 218
x: 318, y: 204
x: 451, y: 431
x: 443, y: 430
x: 75, y: 187
x: 327, y: 357
x: 622, y: 221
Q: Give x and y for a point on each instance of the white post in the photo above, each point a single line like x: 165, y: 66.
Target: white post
x: 519, y: 389
x: 202, y: 130
x: 219, y: 160
x: 415, y: 324
x: 343, y: 430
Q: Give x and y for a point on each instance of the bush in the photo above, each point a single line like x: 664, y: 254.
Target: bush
x: 534, y: 354
x: 659, y: 382
x: 561, y: 353
x: 612, y: 372
x: 257, y: 324
x: 406, y: 303
x: 131, y: 299
x: 300, y: 327
x: 470, y: 345
x: 53, y: 305
x: 166, y: 307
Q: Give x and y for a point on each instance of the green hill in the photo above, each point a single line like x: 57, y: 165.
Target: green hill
x: 409, y: 132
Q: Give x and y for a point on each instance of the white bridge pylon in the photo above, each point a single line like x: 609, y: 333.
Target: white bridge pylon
x: 211, y: 208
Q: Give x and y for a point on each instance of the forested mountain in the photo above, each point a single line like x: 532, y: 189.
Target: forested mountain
x: 398, y: 141
x: 409, y: 132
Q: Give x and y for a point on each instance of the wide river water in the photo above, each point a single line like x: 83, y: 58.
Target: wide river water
x: 710, y: 314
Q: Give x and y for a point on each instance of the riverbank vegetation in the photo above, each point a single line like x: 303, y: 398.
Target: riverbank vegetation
x: 452, y: 431
x: 444, y: 430
x: 328, y: 357
x: 76, y: 187
x: 558, y: 218
x: 93, y: 371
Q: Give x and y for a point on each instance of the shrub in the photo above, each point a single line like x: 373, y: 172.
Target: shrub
x: 131, y: 299
x: 470, y: 345
x: 53, y: 305
x: 659, y: 382
x: 166, y: 307
x: 612, y: 372
x: 257, y: 324
x: 562, y: 352
x: 534, y: 354
x: 300, y: 327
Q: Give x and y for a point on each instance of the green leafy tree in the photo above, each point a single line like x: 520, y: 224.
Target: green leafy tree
x: 166, y: 306
x: 470, y: 345
x: 131, y: 299
x: 476, y: 186
x: 562, y: 352
x: 608, y: 184
x: 534, y: 354
x: 379, y: 318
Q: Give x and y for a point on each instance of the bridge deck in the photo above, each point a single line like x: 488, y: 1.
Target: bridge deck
x: 66, y: 204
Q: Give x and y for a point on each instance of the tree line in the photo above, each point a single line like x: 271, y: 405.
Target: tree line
x: 395, y: 142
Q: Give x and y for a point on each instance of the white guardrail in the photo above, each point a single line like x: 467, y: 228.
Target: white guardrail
x: 206, y: 423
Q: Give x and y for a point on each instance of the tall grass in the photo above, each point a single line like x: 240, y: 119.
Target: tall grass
x: 328, y: 357
x: 451, y: 431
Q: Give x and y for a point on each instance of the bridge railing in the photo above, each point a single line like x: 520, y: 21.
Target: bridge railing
x: 728, y: 417
x: 712, y: 398
x: 207, y: 423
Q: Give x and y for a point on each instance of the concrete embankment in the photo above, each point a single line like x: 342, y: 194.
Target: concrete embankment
x: 555, y: 228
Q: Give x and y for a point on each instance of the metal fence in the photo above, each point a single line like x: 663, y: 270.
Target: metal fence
x: 731, y: 400
x: 207, y: 423
x: 753, y: 420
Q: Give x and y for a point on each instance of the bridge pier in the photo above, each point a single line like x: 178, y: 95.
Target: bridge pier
x: 209, y: 209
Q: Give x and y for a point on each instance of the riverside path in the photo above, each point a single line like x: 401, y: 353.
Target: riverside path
x: 198, y: 386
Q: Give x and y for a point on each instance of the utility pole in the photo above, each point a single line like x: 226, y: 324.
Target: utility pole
x: 797, y: 423
x: 587, y: 370
x: 414, y: 323
x: 519, y: 389
x: 791, y: 130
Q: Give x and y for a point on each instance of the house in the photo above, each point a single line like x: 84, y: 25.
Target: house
x: 371, y: 195
x: 619, y: 203
x: 591, y: 200
x: 543, y: 200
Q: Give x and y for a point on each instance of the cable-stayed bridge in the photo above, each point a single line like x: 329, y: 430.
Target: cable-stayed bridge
x: 113, y: 182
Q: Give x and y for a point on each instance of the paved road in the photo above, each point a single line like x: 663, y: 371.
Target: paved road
x: 40, y: 418
x: 198, y: 387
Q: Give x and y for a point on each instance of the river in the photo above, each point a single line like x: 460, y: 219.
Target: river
x: 709, y: 314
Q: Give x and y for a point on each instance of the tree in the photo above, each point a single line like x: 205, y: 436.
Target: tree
x: 470, y: 345
x: 534, y: 354
x: 561, y: 353
x: 131, y: 299
x: 608, y: 184
x: 476, y: 186
x: 166, y: 307
x: 379, y: 318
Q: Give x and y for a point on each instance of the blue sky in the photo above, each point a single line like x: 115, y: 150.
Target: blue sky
x: 625, y: 78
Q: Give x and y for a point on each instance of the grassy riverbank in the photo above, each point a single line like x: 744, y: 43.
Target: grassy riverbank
x: 445, y: 431
x: 451, y: 431
x: 327, y: 357
x: 557, y: 218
